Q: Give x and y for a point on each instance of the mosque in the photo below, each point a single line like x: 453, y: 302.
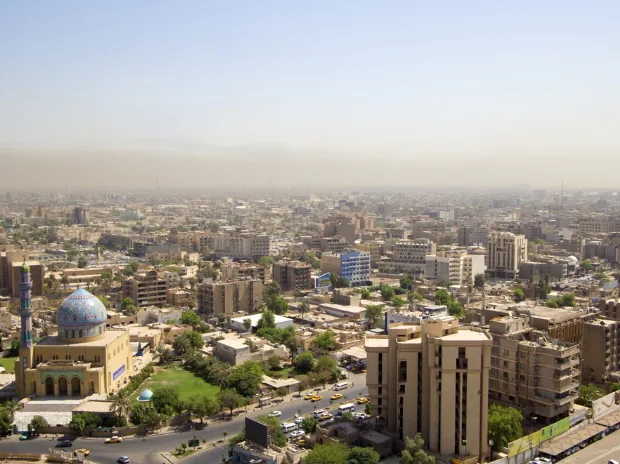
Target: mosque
x: 84, y: 358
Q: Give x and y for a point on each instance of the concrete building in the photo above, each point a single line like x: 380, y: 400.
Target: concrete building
x: 432, y: 378
x: 247, y: 246
x: 556, y: 270
x: 470, y: 236
x: 532, y: 372
x: 457, y: 267
x: 84, y: 358
x: 375, y: 248
x: 505, y: 253
x: 153, y: 314
x: 80, y: 215
x: 37, y: 273
x: 292, y: 275
x: 333, y: 244
x: 352, y: 265
x: 600, y: 350
x: 238, y: 271
x: 236, y: 323
x: 410, y: 255
x: 236, y: 351
x: 230, y: 297
x: 434, y: 227
x: 598, y: 226
x: 146, y: 289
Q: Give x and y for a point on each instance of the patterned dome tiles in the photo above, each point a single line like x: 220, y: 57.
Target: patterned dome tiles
x: 79, y: 309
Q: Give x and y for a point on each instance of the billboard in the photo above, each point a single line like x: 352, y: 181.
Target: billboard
x: 538, y: 437
x: 118, y: 372
x: 605, y: 405
x: 256, y: 432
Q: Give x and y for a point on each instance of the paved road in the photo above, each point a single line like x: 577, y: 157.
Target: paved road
x: 147, y: 451
x: 599, y: 452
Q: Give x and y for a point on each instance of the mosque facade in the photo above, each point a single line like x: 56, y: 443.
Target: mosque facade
x: 83, y: 359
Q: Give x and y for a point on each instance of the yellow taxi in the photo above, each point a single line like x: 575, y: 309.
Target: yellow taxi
x: 337, y: 396
x: 316, y: 398
x: 362, y: 400
x: 308, y: 397
x: 84, y: 451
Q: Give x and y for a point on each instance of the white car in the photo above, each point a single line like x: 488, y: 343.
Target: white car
x: 299, y: 420
x: 296, y: 433
x: 274, y: 414
x: 361, y: 415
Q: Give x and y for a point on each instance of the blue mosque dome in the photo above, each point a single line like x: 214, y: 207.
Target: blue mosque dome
x: 81, y: 315
x: 146, y: 395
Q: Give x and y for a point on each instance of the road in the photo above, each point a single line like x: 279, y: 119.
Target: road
x: 599, y: 452
x: 148, y: 451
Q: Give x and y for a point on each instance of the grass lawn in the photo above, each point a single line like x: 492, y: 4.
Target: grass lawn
x: 184, y: 382
x: 8, y: 363
x: 281, y: 373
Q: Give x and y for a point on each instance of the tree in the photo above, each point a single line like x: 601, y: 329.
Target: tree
x: 265, y: 261
x: 505, y: 425
x: 128, y: 306
x: 202, y: 407
x: 274, y: 428
x: 82, y: 262
x: 271, y: 289
x: 165, y: 354
x: 568, y: 299
x: 398, y: 302
x: 247, y: 324
x: 121, y: 403
x: 387, y: 292
x: 38, y: 423
x: 131, y: 269
x: 614, y: 387
x: 64, y: 280
x: 406, y: 282
x: 104, y: 301
x: 277, y: 305
x: 339, y: 281
x: 373, y: 314
x: 586, y: 265
x: 143, y: 414
x: 246, y: 378
x: 274, y: 362
x: 587, y: 394
x: 230, y: 399
x: 308, y: 425
x: 181, y: 345
x: 71, y: 255
x: 190, y: 318
x: 267, y: 320
x: 333, y: 453
x: 413, y: 452
x: 166, y: 401
x: 326, y: 368
x: 325, y: 341
x: 304, y: 307
x: 455, y: 309
x: 359, y: 455
x: 518, y: 294
x: 77, y: 424
x: 304, y: 362
x: 479, y: 280
x: 365, y: 294
x: 442, y: 297
x: 368, y: 409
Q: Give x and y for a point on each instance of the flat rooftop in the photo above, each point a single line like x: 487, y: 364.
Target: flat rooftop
x: 466, y: 335
x: 108, y: 337
x: 372, y: 342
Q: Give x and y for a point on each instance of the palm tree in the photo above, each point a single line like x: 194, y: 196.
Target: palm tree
x: 12, y: 407
x: 64, y: 280
x: 121, y: 403
x: 303, y: 308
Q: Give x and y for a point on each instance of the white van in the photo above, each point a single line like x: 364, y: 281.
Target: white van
x: 289, y: 427
x: 348, y: 407
x: 341, y: 386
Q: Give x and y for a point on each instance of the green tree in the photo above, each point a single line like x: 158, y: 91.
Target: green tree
x: 456, y: 309
x: 406, y: 282
x: 398, y: 302
x: 230, y: 399
x: 304, y: 362
x: 479, y: 280
x: 246, y: 378
x: 505, y: 425
x: 274, y: 428
x: 568, y: 299
x: 37, y: 423
x: 442, y: 297
x: 166, y: 356
x: 78, y: 424
x: 308, y: 425
x: 518, y: 294
x: 166, y: 401
x: 190, y: 318
x: 325, y: 341
x: 365, y: 294
x: 387, y: 292
x: 339, y: 281
x: 274, y: 362
x: 614, y: 387
x: 247, y: 324
x: 359, y: 455
x: 414, y: 452
x: 266, y: 261
x: 270, y: 290
x: 121, y: 403
x: 304, y: 307
x: 104, y: 301
x: 131, y: 269
x: 587, y: 394
x: 82, y: 262
x: 326, y: 368
x: 333, y: 453
x: 128, y: 306
x: 202, y: 407
x: 277, y: 305
x: 267, y: 320
x: 64, y: 280
x: 586, y: 265
x: 374, y: 313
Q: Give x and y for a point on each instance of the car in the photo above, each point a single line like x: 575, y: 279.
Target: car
x: 362, y: 400
x: 330, y: 421
x: 123, y: 460
x: 296, y: 433
x: 308, y: 397
x: 274, y: 414
x: 364, y: 371
x: 24, y: 437
x: 324, y: 416
x: 542, y: 460
x: 316, y: 398
x: 299, y: 420
x: 65, y: 444
x: 361, y: 416
x: 84, y: 451
x: 337, y: 396
x: 114, y: 440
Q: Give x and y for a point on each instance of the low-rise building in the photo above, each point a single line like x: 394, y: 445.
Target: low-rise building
x: 346, y: 312
x: 237, y: 323
x: 153, y: 314
x: 239, y: 350
x: 178, y: 297
x: 458, y: 267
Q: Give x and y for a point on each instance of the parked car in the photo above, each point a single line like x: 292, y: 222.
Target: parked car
x: 274, y: 414
x: 296, y: 433
x: 65, y: 444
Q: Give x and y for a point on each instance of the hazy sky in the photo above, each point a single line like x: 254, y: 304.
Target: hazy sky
x: 411, y: 82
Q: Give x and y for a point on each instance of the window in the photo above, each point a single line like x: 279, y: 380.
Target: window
x: 401, y: 389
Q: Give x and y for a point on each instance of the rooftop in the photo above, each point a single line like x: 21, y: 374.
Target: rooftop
x: 466, y: 335
x: 376, y: 342
x: 108, y: 337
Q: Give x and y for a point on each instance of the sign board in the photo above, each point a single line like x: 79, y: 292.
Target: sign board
x: 605, y: 405
x: 534, y: 439
x: 118, y: 372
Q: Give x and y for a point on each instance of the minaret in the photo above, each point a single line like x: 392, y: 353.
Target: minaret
x: 24, y: 361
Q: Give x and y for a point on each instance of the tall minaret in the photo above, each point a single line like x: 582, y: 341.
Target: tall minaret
x: 25, y: 348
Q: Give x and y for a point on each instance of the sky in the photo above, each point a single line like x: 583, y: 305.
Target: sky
x: 321, y: 92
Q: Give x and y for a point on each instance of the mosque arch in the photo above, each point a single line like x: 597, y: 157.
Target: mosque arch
x: 62, y: 386
x: 92, y: 387
x: 49, y: 386
x: 76, y: 387
x: 81, y: 334
x: 72, y: 333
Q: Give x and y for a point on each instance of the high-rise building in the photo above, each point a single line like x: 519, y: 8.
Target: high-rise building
x: 410, y: 255
x: 457, y: 267
x: 600, y: 350
x: 432, y: 378
x: 292, y: 275
x: 505, y: 253
x: 80, y: 215
x: 146, y: 289
x: 230, y: 297
x: 352, y: 265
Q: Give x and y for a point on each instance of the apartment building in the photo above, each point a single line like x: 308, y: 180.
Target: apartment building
x: 435, y: 227
x: 410, y: 255
x: 470, y: 236
x: 239, y: 271
x: 230, y: 297
x: 598, y: 226
x: 610, y: 309
x: 352, y: 265
x: 246, y: 246
x: 145, y: 289
x: 375, y: 249
x: 334, y: 244
x: 292, y: 275
x: 505, y: 253
x: 11, y: 261
x: 433, y: 378
x: 457, y: 267
x: 532, y: 372
x: 600, y: 355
